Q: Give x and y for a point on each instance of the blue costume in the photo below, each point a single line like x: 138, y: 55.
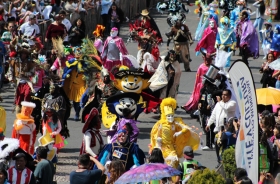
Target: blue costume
x: 234, y: 16
x: 129, y: 153
x: 267, y: 41
x: 275, y: 45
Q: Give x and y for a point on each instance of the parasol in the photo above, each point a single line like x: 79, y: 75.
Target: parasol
x: 147, y: 172
x: 268, y: 96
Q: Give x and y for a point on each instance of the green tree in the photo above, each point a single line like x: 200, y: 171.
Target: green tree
x: 206, y: 176
x: 229, y: 162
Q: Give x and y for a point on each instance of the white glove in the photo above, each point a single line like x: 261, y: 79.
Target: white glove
x: 121, y: 56
x: 19, y: 123
x: 222, y: 47
x: 159, y: 142
x: 177, y: 134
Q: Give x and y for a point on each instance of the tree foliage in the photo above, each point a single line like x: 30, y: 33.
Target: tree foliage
x: 206, y: 176
x: 229, y: 162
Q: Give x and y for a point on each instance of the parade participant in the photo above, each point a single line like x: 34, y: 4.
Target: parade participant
x: 98, y: 34
x: 20, y: 71
x: 147, y: 24
x: 208, y: 39
x: 249, y: 43
x: 20, y: 173
x: 92, y: 140
x: 182, y: 38
x: 3, y: 117
x: 275, y: 47
x: 39, y: 73
x: 172, y: 67
x: 171, y: 134
x: 48, y: 142
x: 259, y: 4
x: 113, y: 50
x: 268, y: 36
x: 228, y: 6
x: 56, y: 99
x: 24, y: 128
x: 191, y: 105
x: 234, y: 15
x: 128, y: 152
x: 226, y: 39
x: 52, y: 126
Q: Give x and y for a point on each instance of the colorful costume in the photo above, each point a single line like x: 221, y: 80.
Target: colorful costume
x: 24, y: 127
x: 92, y: 140
x: 98, y: 33
x: 113, y: 50
x: 275, y: 45
x: 182, y: 38
x: 171, y: 135
x: 268, y: 36
x: 202, y: 69
x: 3, y: 119
x: 7, y: 146
x: 234, y: 15
x: 208, y: 39
x: 226, y: 39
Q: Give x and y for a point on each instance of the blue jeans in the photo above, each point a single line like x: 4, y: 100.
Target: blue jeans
x: 258, y: 25
x: 277, y: 84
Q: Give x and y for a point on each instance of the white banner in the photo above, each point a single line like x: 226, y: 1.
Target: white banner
x: 246, y: 150
x: 275, y: 65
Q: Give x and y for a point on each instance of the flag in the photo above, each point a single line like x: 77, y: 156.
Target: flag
x: 246, y: 149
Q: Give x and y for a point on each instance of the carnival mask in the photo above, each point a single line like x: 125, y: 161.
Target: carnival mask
x: 211, y: 24
x: 114, y: 33
x: 225, y: 26
x: 170, y: 118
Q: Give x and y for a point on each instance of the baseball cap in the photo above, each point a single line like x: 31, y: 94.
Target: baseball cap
x: 32, y: 16
x: 188, y: 152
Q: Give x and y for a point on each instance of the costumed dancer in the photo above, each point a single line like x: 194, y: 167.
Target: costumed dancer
x: 52, y: 126
x: 259, y: 4
x: 39, y: 72
x: 127, y: 152
x: 192, y: 104
x: 24, y: 128
x: 271, y: 9
x: 3, y: 116
x: 275, y: 46
x: 92, y: 140
x: 171, y: 134
x: 48, y: 142
x: 113, y: 50
x: 20, y: 71
x: 226, y: 39
x: 249, y: 42
x: 228, y: 6
x: 125, y: 110
x: 234, y: 15
x: 98, y: 34
x: 211, y: 13
x: 268, y: 36
x: 74, y: 83
x: 208, y: 39
x: 182, y: 39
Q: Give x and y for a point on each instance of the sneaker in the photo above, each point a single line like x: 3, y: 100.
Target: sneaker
x: 205, y: 148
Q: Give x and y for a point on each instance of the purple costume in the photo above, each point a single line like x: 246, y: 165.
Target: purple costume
x: 120, y: 125
x: 248, y: 36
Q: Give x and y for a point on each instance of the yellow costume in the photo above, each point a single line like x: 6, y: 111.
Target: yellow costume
x: 172, y: 137
x: 3, y: 119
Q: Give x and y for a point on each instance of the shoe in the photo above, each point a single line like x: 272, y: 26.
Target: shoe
x: 217, y: 166
x: 76, y: 118
x: 188, y: 70
x: 146, y: 110
x: 155, y: 111
x: 183, y: 108
x: 190, y: 60
x: 205, y: 148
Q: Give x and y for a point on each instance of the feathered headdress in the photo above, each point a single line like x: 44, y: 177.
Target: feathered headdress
x: 58, y: 46
x: 98, y: 31
x: 171, y: 102
x: 88, y: 48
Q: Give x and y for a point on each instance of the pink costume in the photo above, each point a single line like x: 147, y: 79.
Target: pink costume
x: 59, y: 64
x: 208, y: 39
x: 113, y: 50
x: 193, y: 101
x: 37, y: 79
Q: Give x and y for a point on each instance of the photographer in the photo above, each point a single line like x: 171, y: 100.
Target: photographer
x: 268, y: 177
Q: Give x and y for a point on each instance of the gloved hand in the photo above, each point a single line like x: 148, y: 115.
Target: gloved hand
x: 176, y: 134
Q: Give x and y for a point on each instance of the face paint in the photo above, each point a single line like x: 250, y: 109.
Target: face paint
x: 114, y: 33
x: 170, y: 118
x: 211, y: 24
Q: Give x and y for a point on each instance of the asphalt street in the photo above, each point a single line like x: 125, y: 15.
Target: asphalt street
x: 67, y: 157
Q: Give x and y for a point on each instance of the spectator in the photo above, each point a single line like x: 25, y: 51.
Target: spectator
x: 44, y: 171
x: 267, y: 79
x: 3, y: 176
x: 105, y: 6
x: 56, y: 29
x: 26, y: 15
x: 66, y: 23
x: 116, y: 16
x: 77, y: 33
x: 30, y: 29
x: 228, y: 138
x: 115, y: 170
x: 2, y: 27
x: 188, y: 165
x: 84, y: 174
x: 8, y: 35
x: 20, y: 173
x: 265, y: 157
x: 239, y: 174
x: 268, y: 177
x: 69, y: 7
x: 89, y: 4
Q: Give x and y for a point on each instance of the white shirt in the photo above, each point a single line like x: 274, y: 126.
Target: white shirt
x: 68, y: 25
x: 30, y: 30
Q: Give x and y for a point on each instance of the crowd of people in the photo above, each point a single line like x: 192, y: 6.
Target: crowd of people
x: 106, y: 85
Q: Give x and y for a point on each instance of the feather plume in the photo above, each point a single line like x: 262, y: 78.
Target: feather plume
x: 58, y: 45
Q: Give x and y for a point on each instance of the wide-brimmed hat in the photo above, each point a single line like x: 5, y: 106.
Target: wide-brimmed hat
x: 121, y: 94
x: 145, y: 12
x: 268, y: 23
x: 88, y: 119
x: 188, y: 152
